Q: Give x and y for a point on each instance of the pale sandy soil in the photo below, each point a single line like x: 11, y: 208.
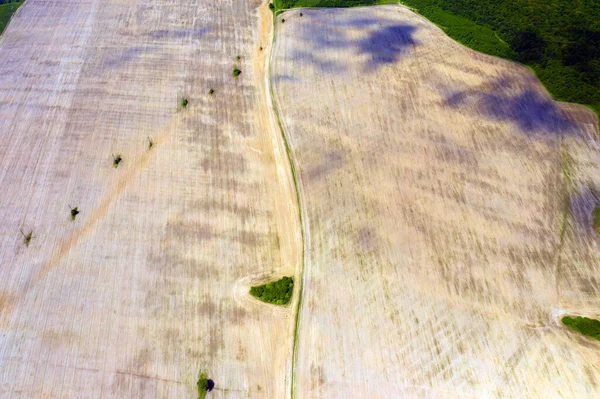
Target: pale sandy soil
x: 447, y: 212
x: 141, y: 291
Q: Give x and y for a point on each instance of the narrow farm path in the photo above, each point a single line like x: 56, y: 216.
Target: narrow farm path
x: 290, y: 218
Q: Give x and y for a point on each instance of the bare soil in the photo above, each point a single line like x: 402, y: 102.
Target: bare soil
x: 447, y: 202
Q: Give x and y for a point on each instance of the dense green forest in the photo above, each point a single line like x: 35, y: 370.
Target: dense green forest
x: 558, y: 39
x: 7, y: 9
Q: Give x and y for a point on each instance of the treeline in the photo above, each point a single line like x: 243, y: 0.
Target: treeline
x: 559, y: 39
x: 7, y: 9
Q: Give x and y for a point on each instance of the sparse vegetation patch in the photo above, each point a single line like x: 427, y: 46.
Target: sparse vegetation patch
x: 586, y: 326
x: 276, y: 292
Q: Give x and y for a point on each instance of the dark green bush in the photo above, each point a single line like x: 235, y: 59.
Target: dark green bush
x: 183, y: 103
x: 583, y: 325
x: 211, y: 91
x: 204, y: 385
x: 276, y: 292
x: 27, y: 237
x: 117, y: 160
x: 236, y: 72
x: 74, y: 212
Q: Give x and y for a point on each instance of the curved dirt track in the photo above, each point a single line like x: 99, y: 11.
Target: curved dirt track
x: 448, y: 211
x: 139, y: 294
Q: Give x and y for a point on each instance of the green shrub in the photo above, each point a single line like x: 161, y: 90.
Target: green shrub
x: 74, y: 212
x: 276, y: 292
x: 183, y: 103
x: 117, y: 160
x: 583, y: 325
x: 236, y: 72
x: 27, y: 237
x: 150, y: 143
x: 204, y: 385
x: 211, y: 91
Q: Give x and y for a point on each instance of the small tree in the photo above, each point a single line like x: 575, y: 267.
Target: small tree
x: 236, y: 72
x: 74, y: 212
x: 211, y: 91
x: 27, y: 237
x: 183, y: 103
x: 117, y: 160
x: 204, y: 385
x: 150, y: 143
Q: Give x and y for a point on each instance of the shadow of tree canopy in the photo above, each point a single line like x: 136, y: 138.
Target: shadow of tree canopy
x: 388, y: 44
x: 158, y: 40
x: 386, y: 41
x: 521, y: 102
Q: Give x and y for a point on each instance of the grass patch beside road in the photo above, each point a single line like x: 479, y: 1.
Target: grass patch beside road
x: 6, y: 11
x: 276, y: 292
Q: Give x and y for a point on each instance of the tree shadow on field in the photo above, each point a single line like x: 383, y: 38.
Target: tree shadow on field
x: 178, y: 33
x: 158, y: 39
x: 521, y: 101
x: 383, y: 41
x: 127, y: 55
x: 387, y: 45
